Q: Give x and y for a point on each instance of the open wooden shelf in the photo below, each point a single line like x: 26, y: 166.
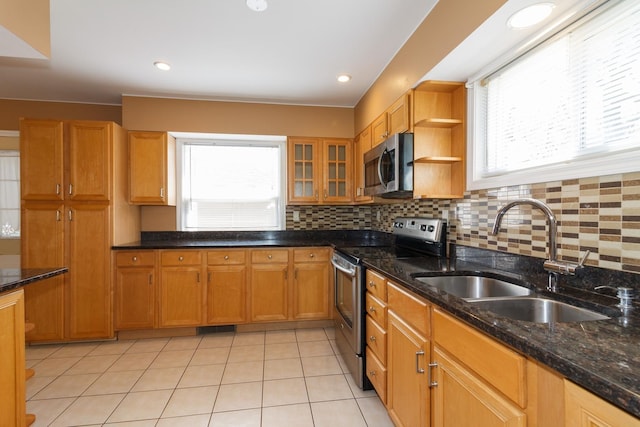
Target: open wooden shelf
x: 438, y: 159
x: 438, y: 123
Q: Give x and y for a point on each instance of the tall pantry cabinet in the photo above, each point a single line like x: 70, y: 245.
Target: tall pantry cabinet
x: 74, y: 208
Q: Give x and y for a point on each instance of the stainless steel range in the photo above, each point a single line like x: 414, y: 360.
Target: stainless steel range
x: 414, y: 237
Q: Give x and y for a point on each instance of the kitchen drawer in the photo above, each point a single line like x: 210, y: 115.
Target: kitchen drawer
x: 311, y: 255
x: 377, y: 285
x: 266, y: 256
x: 498, y: 365
x: 226, y: 257
x: 135, y: 258
x: 376, y: 339
x: 376, y: 309
x: 178, y: 258
x: 377, y: 374
x: 410, y: 308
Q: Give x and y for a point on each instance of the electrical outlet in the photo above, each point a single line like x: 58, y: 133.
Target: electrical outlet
x: 296, y: 216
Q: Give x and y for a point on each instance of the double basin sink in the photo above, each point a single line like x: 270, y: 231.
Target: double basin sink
x: 509, y: 300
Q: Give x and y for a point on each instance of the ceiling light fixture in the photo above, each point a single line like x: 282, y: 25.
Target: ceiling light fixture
x: 257, y: 5
x: 160, y: 65
x: 530, y: 15
x: 343, y: 78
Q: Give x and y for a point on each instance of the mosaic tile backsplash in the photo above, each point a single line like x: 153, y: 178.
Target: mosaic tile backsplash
x: 600, y: 214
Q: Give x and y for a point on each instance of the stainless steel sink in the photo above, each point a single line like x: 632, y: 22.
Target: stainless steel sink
x: 471, y: 287
x: 538, y: 310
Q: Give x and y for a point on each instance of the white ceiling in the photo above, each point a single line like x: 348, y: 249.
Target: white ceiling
x: 219, y: 49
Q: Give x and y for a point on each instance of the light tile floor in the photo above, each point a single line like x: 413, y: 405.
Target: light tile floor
x: 274, y: 378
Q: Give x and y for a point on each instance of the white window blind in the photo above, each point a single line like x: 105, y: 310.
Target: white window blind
x: 9, y: 194
x: 231, y: 185
x: 572, y: 100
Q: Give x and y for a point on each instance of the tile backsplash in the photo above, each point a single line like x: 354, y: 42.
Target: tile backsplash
x: 600, y: 214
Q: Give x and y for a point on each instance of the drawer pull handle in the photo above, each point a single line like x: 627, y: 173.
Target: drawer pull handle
x: 269, y: 256
x: 372, y: 373
x: 134, y: 259
x: 372, y: 284
x: 418, y: 368
x: 372, y: 338
x: 372, y: 309
x: 430, y: 379
x: 226, y: 257
x: 311, y: 255
x: 180, y: 258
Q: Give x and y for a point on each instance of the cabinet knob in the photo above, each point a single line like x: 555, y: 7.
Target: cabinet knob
x: 372, y: 284
x: 226, y: 257
x: 180, y: 258
x: 372, y: 338
x: 134, y: 259
x: 269, y: 256
x: 372, y: 309
x: 311, y: 255
x: 372, y: 373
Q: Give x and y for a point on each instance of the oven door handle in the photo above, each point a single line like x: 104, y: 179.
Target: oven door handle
x: 351, y: 273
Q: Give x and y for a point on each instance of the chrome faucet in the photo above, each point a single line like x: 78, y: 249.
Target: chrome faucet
x: 552, y: 265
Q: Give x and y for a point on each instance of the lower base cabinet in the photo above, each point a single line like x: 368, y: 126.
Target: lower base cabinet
x: 12, y: 360
x: 584, y: 409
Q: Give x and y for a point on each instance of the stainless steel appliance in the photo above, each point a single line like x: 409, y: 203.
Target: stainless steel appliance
x: 388, y: 168
x: 414, y: 236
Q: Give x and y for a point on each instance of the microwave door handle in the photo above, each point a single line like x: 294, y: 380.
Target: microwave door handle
x: 380, y: 176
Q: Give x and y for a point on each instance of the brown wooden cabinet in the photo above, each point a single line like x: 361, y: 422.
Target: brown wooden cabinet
x: 134, y: 293
x: 395, y: 119
x: 376, y: 332
x: 182, y: 289
x: 439, y: 140
x: 269, y: 285
x: 319, y: 170
x: 12, y: 368
x: 226, y: 287
x: 361, y: 144
x: 311, y: 296
x: 584, y: 409
x: 82, y: 216
x: 408, y: 399
x: 152, y: 168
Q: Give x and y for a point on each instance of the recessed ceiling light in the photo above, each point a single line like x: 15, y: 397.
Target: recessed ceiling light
x: 257, y: 5
x: 530, y: 15
x: 343, y: 78
x: 160, y: 65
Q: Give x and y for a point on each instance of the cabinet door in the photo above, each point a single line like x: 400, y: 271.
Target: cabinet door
x: 361, y: 145
x: 311, y: 291
x: 407, y: 360
x: 41, y: 160
x: 90, y: 161
x: 42, y: 243
x: 584, y: 409
x: 12, y: 377
x: 379, y: 130
x: 151, y: 168
x: 337, y: 164
x: 269, y: 292
x: 399, y: 114
x: 181, y: 293
x: 226, y: 294
x: 462, y: 399
x: 134, y: 298
x: 304, y: 170
x: 89, y: 285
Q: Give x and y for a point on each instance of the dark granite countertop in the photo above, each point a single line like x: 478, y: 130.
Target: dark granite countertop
x: 602, y: 356
x: 13, y: 278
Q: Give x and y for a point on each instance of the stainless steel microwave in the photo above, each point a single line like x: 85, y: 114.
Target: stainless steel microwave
x: 388, y: 168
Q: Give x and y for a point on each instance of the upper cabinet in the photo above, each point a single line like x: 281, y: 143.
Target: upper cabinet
x: 396, y: 119
x: 70, y: 160
x: 319, y: 170
x: 439, y: 140
x: 152, y: 168
x: 361, y: 145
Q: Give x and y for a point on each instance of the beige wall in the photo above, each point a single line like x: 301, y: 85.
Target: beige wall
x: 450, y: 22
x: 28, y: 20
x: 180, y: 115
x: 12, y: 110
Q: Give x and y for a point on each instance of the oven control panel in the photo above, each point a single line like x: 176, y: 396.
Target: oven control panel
x: 419, y: 228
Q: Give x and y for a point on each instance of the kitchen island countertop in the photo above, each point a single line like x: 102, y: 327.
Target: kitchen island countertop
x: 13, y: 278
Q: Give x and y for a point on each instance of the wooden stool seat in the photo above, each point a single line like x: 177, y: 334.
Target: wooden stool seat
x: 29, y: 373
x: 28, y: 327
x: 30, y: 419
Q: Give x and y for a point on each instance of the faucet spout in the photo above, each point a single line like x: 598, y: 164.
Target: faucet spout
x: 551, y: 221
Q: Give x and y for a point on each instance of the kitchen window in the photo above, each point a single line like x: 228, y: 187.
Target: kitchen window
x: 9, y: 194
x: 231, y: 182
x: 568, y: 108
